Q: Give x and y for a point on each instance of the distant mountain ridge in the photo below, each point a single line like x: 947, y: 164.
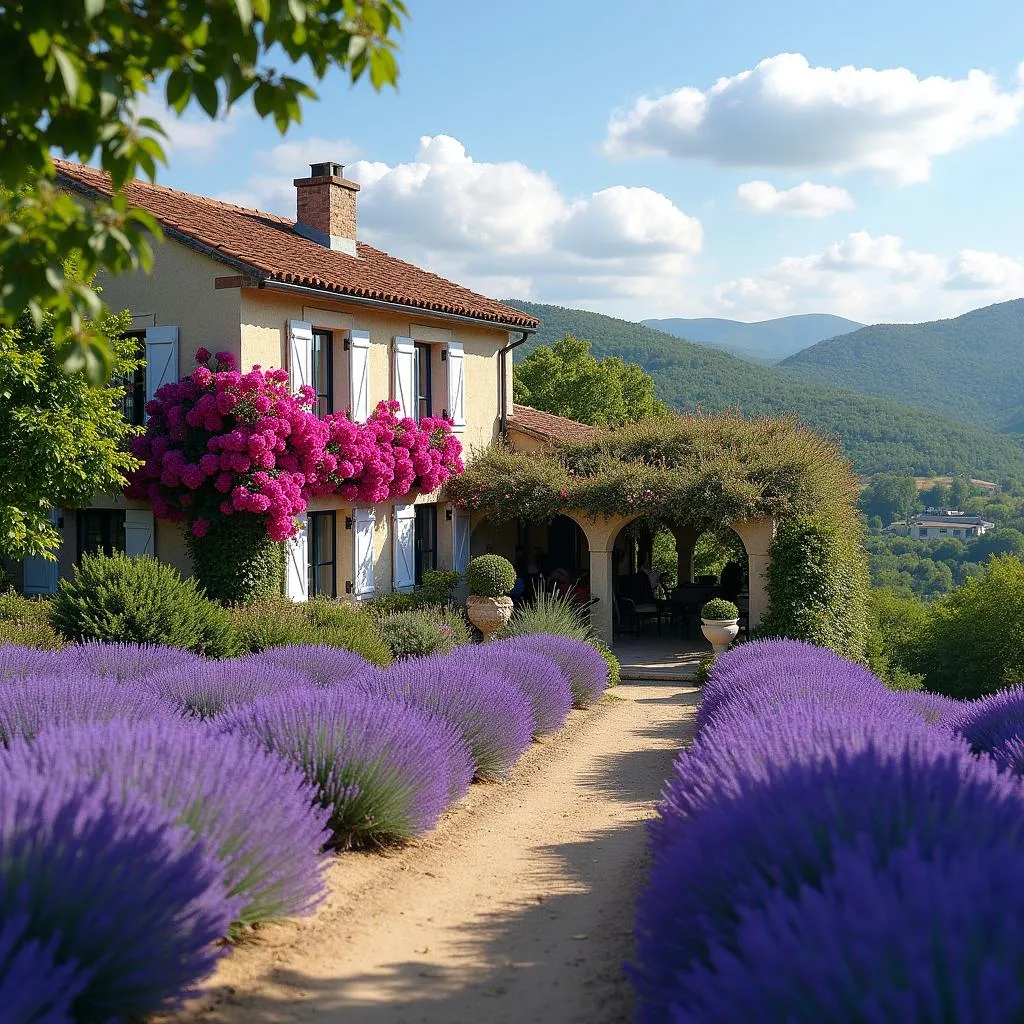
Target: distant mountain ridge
x: 769, y: 340
x: 970, y: 367
x: 878, y: 434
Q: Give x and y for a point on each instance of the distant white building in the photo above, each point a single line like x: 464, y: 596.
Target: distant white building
x: 942, y: 522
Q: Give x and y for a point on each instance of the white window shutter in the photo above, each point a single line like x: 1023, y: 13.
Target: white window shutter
x: 138, y: 532
x: 39, y: 575
x: 300, y: 354
x: 363, y: 526
x: 359, y: 376
x: 296, y: 577
x: 460, y: 542
x: 403, y: 383
x: 456, y: 363
x: 161, y: 359
x: 403, y: 572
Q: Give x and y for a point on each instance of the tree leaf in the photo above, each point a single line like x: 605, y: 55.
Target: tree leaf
x: 205, y: 91
x: 68, y: 72
x: 178, y: 90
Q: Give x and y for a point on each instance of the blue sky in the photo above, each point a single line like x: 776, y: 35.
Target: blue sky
x: 577, y: 153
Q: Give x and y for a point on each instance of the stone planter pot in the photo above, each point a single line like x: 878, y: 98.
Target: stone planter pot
x: 488, y: 614
x: 719, y: 633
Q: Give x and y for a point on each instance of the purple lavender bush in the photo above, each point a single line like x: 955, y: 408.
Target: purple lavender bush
x: 581, y: 662
x: 545, y: 684
x: 113, y: 889
x: 921, y: 939
x: 251, y: 811
x: 994, y: 725
x: 33, y: 988
x: 494, y: 718
x: 20, y: 663
x: 378, y: 767
x: 928, y: 793
x: 933, y: 708
x: 29, y: 706
x: 127, y: 663
x: 212, y: 688
x: 322, y: 665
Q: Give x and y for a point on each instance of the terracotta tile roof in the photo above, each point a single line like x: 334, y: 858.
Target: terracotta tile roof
x: 546, y: 426
x: 269, y: 247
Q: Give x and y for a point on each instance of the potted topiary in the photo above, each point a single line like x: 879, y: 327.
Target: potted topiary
x: 719, y: 622
x: 490, y: 579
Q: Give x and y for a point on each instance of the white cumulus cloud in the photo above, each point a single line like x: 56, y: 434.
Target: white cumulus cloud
x: 804, y: 200
x: 873, y: 279
x: 784, y: 113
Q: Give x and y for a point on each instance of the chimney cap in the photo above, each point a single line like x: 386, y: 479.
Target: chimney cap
x: 326, y: 169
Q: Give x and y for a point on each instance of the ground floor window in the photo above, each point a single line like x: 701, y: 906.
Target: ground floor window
x: 323, y: 578
x: 426, y: 540
x: 100, y: 531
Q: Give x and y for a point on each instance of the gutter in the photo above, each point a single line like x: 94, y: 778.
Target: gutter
x: 502, y: 381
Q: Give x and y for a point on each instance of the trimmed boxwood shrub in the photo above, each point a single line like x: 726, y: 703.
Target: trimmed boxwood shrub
x: 817, y: 586
x: 136, y: 600
x: 719, y: 608
x: 236, y: 562
x: 490, y: 576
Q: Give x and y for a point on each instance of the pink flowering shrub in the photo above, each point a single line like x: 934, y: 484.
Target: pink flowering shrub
x: 219, y: 443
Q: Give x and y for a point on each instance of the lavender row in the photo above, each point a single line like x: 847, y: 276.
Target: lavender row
x: 152, y: 801
x: 830, y: 850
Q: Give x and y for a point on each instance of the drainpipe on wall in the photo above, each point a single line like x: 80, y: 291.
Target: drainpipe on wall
x: 502, y: 376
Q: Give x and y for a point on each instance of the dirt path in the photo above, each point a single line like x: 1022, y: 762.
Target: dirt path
x: 518, y: 907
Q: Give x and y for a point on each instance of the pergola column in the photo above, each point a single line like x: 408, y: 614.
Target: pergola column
x: 601, y: 588
x: 686, y: 538
x: 757, y: 535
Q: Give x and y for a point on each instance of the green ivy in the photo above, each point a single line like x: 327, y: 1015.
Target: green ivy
x: 236, y: 562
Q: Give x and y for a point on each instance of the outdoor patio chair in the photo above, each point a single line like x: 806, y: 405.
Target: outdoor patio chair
x: 640, y: 603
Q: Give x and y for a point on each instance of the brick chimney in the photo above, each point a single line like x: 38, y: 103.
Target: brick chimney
x: 325, y: 207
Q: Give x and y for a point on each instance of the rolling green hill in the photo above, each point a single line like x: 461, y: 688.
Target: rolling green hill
x: 763, y: 341
x: 970, y: 368
x: 880, y: 435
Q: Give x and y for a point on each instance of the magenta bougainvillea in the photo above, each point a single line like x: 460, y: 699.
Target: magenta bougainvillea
x: 220, y: 442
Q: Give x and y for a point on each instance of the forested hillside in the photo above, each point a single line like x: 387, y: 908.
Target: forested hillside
x: 879, y: 434
x: 970, y: 368
x: 765, y: 340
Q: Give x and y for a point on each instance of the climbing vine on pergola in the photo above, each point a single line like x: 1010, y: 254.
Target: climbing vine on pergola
x: 706, y: 471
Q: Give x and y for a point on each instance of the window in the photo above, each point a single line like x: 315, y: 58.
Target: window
x: 943, y: 530
x: 133, y: 402
x: 426, y: 540
x: 323, y: 371
x: 100, y: 531
x: 322, y: 558
x: 922, y: 533
x: 424, y: 383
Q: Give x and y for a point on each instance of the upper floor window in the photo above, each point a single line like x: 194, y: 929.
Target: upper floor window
x: 322, y: 371
x: 133, y: 401
x: 424, y: 382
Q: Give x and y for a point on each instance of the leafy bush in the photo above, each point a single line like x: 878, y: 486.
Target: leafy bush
x: 540, y: 678
x: 438, y: 586
x: 490, y: 576
x: 351, y: 627
x: 704, y: 667
x: 236, y: 562
x: 580, y: 661
x: 555, y: 614
x: 131, y: 600
x: 494, y: 717
x: 379, y: 768
x: 384, y: 604
x: 265, y: 624
x: 244, y: 806
x: 423, y: 631
x: 614, y: 668
x: 817, y: 588
x: 111, y: 889
x: 896, y: 626
x: 26, y: 621
x: 719, y: 608
x: 217, y: 636
x: 973, y: 641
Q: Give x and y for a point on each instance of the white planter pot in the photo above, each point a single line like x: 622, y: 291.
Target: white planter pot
x: 488, y: 614
x: 720, y: 633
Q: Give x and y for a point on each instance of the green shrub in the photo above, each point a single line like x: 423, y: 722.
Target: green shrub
x: 352, y: 627
x: 40, y: 635
x: 490, y: 576
x: 439, y: 585
x: 272, y: 623
x: 426, y: 630
x: 896, y: 627
x: 719, y: 608
x: 132, y: 600
x: 15, y: 608
x: 218, y: 638
x: 549, y: 613
x: 614, y: 668
x: 236, y: 562
x: 817, y: 589
x: 973, y: 641
x: 385, y: 604
x: 704, y: 667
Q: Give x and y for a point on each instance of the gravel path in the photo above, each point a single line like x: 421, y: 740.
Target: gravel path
x: 518, y: 907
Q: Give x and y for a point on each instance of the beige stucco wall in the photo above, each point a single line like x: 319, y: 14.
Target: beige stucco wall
x: 180, y: 293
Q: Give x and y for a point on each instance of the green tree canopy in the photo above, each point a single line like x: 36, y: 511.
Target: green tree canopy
x: 71, y: 77
x: 567, y: 380
x: 64, y: 440
x: 890, y: 497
